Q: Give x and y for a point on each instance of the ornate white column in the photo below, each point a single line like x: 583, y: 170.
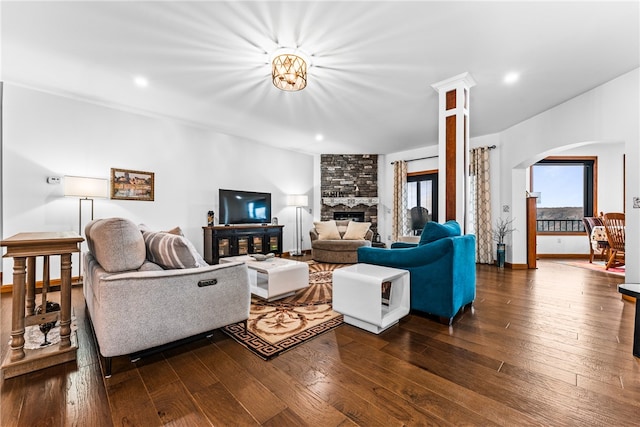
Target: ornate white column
x: 453, y: 143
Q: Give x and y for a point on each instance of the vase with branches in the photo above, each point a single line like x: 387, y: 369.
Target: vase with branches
x: 503, y: 228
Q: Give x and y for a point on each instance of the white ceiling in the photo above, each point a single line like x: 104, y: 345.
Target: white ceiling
x: 373, y: 63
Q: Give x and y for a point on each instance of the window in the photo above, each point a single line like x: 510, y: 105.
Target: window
x: 566, y: 187
x: 422, y: 199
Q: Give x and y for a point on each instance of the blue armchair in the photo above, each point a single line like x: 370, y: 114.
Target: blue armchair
x: 442, y: 267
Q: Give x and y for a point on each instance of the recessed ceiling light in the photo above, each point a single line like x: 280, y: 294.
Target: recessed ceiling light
x: 141, y: 81
x: 511, y: 78
x: 319, y: 137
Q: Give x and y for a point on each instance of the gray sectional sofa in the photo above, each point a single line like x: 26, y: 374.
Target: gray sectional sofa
x: 135, y: 304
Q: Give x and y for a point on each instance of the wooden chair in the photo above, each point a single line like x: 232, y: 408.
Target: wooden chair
x: 600, y: 248
x: 614, y: 224
x: 419, y: 217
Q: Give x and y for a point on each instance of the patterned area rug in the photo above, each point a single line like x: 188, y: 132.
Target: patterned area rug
x: 277, y: 326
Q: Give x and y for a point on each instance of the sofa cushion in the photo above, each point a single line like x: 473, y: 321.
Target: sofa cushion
x: 149, y: 266
x: 435, y: 231
x: 342, y: 225
x: 116, y: 243
x: 327, y: 230
x: 171, y: 251
x: 340, y: 245
x: 356, y: 230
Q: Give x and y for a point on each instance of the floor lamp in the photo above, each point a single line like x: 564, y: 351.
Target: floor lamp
x: 299, y: 201
x: 86, y: 189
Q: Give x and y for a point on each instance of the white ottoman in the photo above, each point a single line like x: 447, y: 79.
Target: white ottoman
x: 358, y: 295
x: 274, y: 278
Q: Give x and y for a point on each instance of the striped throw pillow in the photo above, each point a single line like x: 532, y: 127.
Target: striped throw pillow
x: 171, y: 251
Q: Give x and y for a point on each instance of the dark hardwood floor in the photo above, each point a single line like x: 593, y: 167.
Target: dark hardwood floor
x: 550, y: 346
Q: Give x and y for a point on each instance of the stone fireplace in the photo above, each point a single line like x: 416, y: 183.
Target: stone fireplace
x: 349, y: 187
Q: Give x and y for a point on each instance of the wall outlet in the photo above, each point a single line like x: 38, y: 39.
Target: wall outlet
x: 636, y: 202
x: 53, y: 180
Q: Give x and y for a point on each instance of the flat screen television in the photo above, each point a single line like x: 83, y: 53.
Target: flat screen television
x: 244, y: 207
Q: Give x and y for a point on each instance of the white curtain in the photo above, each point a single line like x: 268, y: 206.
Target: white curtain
x: 481, y: 204
x: 400, y: 217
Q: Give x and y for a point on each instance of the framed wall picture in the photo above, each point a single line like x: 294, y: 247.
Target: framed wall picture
x: 132, y: 185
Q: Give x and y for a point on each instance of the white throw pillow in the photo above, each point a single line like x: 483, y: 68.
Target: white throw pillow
x: 356, y: 230
x: 327, y: 230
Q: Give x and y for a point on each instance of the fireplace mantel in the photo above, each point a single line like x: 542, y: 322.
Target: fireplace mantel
x: 350, y: 202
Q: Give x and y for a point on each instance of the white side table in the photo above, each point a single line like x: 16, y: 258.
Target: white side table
x: 357, y: 294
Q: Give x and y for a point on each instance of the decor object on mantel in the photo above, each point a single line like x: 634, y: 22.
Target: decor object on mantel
x: 503, y: 229
x: 289, y: 70
x: 350, y: 202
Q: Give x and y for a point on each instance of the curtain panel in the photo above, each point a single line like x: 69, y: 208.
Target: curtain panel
x: 400, y: 217
x: 481, y: 204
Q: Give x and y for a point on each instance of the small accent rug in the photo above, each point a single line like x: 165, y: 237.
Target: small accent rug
x: 277, y: 326
x: 596, y: 266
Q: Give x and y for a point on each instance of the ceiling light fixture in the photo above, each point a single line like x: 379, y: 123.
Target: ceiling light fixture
x: 289, y: 70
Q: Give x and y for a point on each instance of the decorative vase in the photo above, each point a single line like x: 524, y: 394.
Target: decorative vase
x: 47, y: 326
x: 501, y: 255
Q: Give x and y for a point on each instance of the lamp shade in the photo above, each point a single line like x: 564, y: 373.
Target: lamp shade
x: 297, y: 200
x: 80, y: 186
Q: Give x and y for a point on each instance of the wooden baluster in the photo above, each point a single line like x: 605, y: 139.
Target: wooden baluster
x: 18, y: 299
x: 65, y: 299
x: 45, y: 282
x: 31, y: 285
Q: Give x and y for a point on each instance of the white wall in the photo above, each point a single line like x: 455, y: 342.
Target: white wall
x: 602, y: 122
x: 607, y: 114
x: 48, y: 135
